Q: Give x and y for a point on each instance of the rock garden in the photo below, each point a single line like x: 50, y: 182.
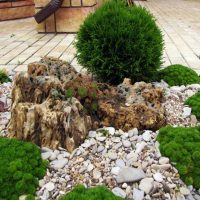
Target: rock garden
x: 123, y: 129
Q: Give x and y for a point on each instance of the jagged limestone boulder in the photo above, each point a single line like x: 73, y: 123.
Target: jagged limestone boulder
x: 142, y: 107
x: 39, y: 115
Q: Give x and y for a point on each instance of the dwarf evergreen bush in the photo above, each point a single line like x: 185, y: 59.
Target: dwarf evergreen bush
x: 194, y: 103
x: 21, y: 166
x: 95, y: 193
x: 118, y: 42
x: 182, y: 146
x: 178, y: 75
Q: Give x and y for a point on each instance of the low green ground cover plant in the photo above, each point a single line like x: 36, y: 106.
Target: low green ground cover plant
x: 4, y: 76
x: 118, y: 42
x: 182, y: 146
x: 21, y: 166
x: 178, y: 75
x: 95, y: 193
x: 194, y: 103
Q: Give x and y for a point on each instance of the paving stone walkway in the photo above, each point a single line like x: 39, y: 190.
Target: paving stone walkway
x: 179, y: 20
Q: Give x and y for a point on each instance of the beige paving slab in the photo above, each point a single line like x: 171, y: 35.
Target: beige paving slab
x: 179, y: 21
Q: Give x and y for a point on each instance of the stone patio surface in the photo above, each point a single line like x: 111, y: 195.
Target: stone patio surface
x: 179, y: 20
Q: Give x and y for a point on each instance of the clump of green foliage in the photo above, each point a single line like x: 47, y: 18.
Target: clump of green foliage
x: 87, y: 97
x: 95, y: 193
x: 118, y: 42
x: 21, y: 166
x: 194, y: 103
x: 4, y: 76
x: 178, y: 75
x: 182, y: 146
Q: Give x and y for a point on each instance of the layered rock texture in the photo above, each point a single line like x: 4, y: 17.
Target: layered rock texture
x: 39, y: 114
x: 142, y: 107
x: 54, y: 106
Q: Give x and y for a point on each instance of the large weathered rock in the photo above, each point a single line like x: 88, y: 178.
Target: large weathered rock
x: 142, y: 107
x: 55, y: 106
x: 40, y: 112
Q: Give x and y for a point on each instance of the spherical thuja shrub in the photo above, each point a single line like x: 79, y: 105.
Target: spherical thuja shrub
x: 178, y: 75
x: 118, y: 42
x: 21, y: 166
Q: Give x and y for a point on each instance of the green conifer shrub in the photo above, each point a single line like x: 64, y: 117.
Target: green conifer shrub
x: 21, y: 166
x: 182, y: 146
x: 194, y: 103
x: 95, y: 193
x: 178, y: 75
x: 118, y: 42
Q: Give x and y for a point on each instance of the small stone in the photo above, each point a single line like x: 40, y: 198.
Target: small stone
x: 41, y: 183
x: 186, y: 112
x: 119, y: 192
x: 92, y: 134
x: 133, y: 132
x: 140, y: 147
x: 124, y: 185
x: 96, y: 174
x: 159, y: 167
x: 126, y: 143
x: 146, y: 185
x: 115, y: 139
x: 45, y: 195
x: 180, y: 197
x: 58, y: 164
x: 193, y: 120
x: 46, y: 155
x: 23, y: 197
x: 120, y: 163
x: 138, y: 194
x: 172, y: 185
x: 60, y: 157
x: 163, y: 160
x: 112, y: 155
x: 129, y: 174
x: 111, y: 130
x: 133, y: 156
x: 184, y: 191
x: 100, y: 148
x: 49, y: 186
x: 146, y: 136
x: 53, y: 156
x: 115, y: 170
x: 158, y: 177
x: 118, y: 145
x: 101, y: 138
x: 90, y: 167
x: 197, y: 197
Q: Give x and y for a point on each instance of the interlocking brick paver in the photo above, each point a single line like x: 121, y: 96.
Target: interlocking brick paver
x: 179, y: 21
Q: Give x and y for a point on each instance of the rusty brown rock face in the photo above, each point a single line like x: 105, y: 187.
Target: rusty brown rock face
x: 142, y: 107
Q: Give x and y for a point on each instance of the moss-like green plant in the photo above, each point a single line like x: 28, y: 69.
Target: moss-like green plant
x: 95, y: 193
x: 182, y: 146
x: 118, y: 42
x: 178, y: 75
x: 194, y: 103
x: 69, y: 93
x: 21, y: 166
x: 4, y: 76
x: 82, y: 92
